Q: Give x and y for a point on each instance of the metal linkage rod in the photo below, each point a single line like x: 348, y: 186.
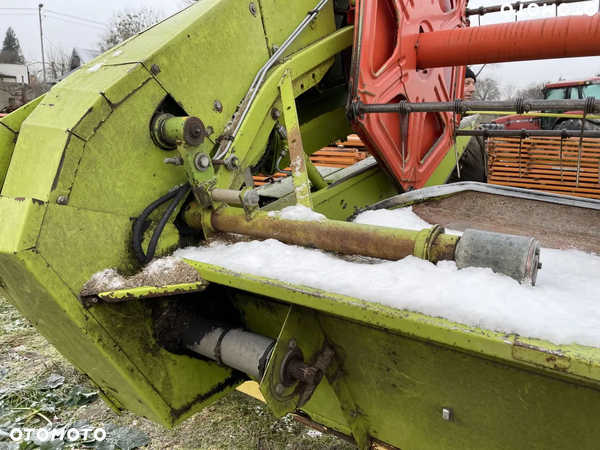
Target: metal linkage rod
x: 565, y: 134
x: 519, y: 105
x: 482, y: 10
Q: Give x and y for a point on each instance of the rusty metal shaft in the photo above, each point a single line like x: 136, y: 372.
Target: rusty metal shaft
x: 560, y: 37
x: 332, y: 235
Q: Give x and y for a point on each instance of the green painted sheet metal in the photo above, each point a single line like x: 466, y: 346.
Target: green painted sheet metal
x: 584, y: 361
x: 99, y: 169
x: 278, y: 22
x: 10, y: 126
x: 401, y: 385
x: 401, y: 369
x: 123, y: 295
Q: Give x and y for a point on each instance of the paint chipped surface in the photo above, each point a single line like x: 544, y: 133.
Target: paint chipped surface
x: 115, y: 54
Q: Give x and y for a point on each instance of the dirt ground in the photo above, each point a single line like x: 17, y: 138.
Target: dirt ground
x: 38, y: 388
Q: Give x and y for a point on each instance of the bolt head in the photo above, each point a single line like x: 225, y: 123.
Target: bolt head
x: 275, y: 113
x: 292, y: 343
x: 279, y: 388
x: 218, y: 107
x: 202, y: 161
x: 62, y: 200
x: 155, y: 69
x: 253, y: 9
x: 447, y: 414
x: 210, y: 131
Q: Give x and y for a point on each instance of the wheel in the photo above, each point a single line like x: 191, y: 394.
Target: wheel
x: 575, y: 124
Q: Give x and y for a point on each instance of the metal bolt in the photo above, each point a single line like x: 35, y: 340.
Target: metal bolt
x: 251, y: 198
x: 539, y: 266
x: 62, y: 200
x: 292, y: 343
x: 176, y: 161
x: 155, y: 69
x: 447, y: 414
x: 210, y: 131
x: 232, y: 162
x: 279, y: 388
x: 253, y: 9
x: 275, y: 113
x: 201, y: 161
x: 218, y: 106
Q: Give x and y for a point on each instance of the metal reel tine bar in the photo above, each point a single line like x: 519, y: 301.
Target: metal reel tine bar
x: 588, y: 109
x: 560, y: 152
x: 457, y: 107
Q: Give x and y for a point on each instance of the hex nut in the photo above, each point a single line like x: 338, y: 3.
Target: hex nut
x: 218, y: 107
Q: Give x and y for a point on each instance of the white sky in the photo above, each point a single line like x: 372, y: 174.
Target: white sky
x: 87, y: 34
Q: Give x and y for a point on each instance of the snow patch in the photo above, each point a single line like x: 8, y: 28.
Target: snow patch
x: 96, y: 67
x: 562, y: 308
x: 299, y: 213
x: 313, y: 433
x: 397, y: 218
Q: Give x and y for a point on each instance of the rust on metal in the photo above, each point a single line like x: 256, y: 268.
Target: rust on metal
x: 294, y: 139
x: 331, y: 235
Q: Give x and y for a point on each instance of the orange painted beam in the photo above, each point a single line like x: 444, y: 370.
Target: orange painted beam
x: 560, y: 37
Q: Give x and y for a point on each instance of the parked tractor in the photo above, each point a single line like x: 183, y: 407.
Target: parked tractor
x: 561, y: 120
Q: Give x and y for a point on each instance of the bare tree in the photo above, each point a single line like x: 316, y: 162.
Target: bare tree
x: 532, y: 91
x: 509, y: 92
x: 128, y: 23
x: 58, y: 61
x: 185, y: 3
x: 486, y: 89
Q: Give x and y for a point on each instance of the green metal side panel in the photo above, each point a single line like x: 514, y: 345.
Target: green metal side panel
x: 10, y: 126
x: 403, y: 368
x: 86, y: 156
x: 401, y: 386
x: 280, y: 17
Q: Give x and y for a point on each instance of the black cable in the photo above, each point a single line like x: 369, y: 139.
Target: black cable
x: 141, y: 220
x: 181, y: 193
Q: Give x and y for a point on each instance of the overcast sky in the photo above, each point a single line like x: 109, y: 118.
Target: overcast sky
x: 67, y: 32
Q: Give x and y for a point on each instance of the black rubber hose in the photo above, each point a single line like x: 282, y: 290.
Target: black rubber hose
x: 180, y: 194
x: 141, y: 220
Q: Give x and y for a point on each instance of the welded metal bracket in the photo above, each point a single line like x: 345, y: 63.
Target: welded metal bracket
x: 302, y: 331
x: 297, y: 156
